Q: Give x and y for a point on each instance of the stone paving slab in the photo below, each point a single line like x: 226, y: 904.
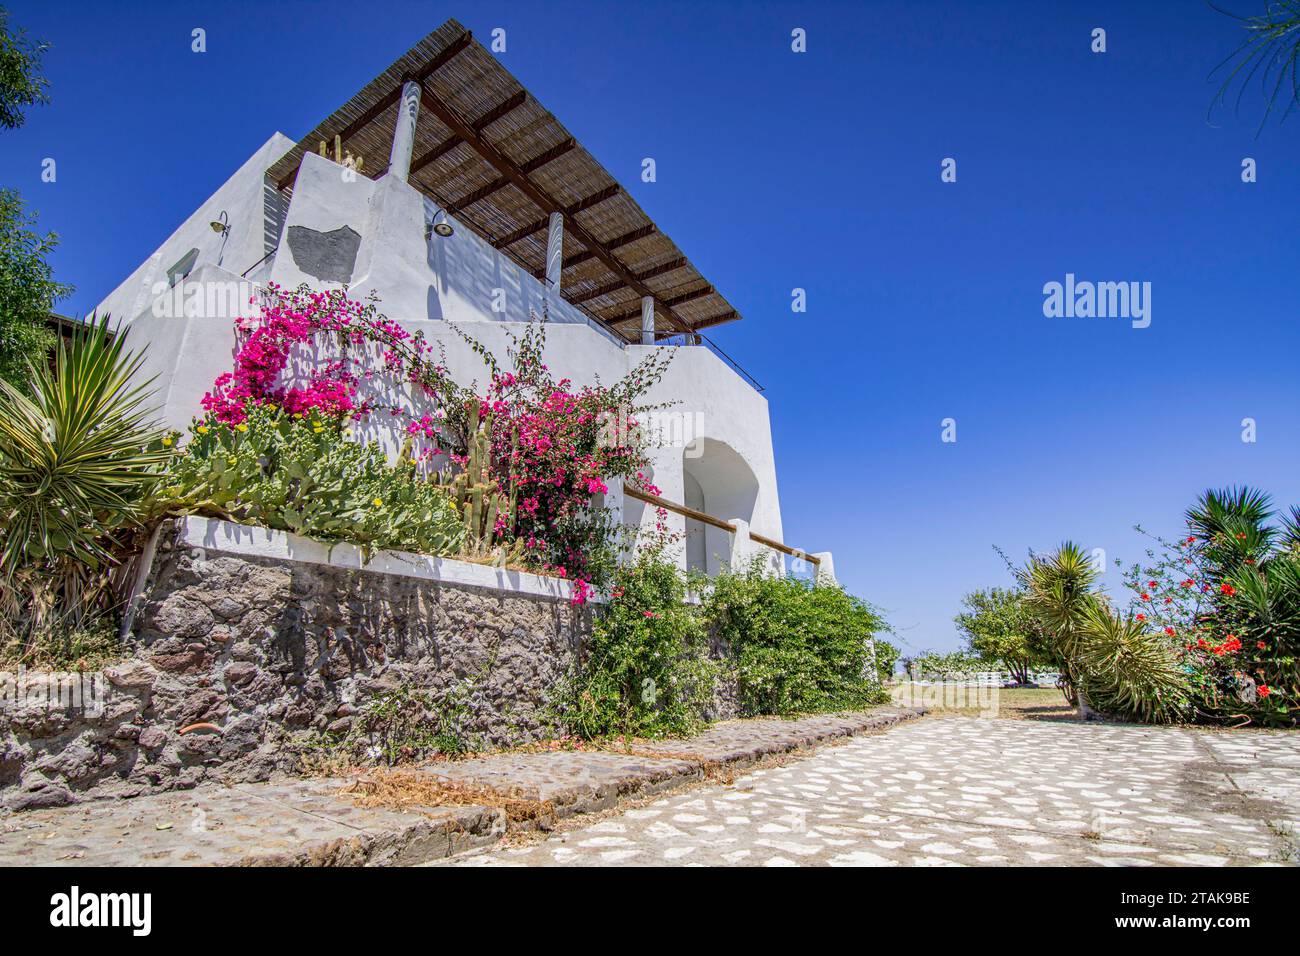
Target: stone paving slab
x: 589, y: 781
x: 968, y: 792
x: 570, y: 781
x: 310, y: 823
x: 300, y: 823
x: 741, y: 742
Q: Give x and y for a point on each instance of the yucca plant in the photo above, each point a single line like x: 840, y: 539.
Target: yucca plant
x: 1127, y: 670
x: 1059, y: 592
x: 79, y: 451
x: 1290, y: 537
x: 1269, y: 595
x: 1271, y: 52
x: 1233, y: 525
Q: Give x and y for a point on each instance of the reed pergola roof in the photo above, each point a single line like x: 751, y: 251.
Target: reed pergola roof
x: 497, y: 160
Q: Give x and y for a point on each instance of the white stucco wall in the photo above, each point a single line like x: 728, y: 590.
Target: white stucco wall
x: 425, y: 282
x: 255, y: 214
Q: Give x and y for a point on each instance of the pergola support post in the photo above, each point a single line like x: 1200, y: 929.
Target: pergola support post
x: 554, y: 250
x: 408, y: 111
x: 647, y: 320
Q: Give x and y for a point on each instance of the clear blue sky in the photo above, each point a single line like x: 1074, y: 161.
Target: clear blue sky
x: 821, y: 171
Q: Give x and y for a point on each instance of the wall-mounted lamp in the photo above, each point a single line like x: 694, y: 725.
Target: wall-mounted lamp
x: 437, y: 228
x: 221, y: 224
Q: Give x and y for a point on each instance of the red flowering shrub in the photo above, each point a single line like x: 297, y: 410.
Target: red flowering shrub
x: 1228, y: 598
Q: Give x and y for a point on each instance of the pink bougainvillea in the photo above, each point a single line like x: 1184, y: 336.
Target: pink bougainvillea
x: 557, y: 446
x: 303, y: 324
x: 552, y: 446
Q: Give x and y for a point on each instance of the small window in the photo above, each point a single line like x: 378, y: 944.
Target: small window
x: 183, y: 267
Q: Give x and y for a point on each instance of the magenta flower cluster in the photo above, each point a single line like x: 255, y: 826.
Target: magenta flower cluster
x: 550, y: 446
x: 305, y: 320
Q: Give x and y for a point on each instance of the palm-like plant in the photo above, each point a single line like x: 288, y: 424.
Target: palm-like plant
x: 1254, y: 578
x: 1270, y: 50
x: 78, y: 454
x: 1269, y: 594
x: 1264, y: 602
x: 1129, y: 671
x: 1290, y: 537
x: 1233, y: 524
x: 1115, y: 665
x: 1059, y: 591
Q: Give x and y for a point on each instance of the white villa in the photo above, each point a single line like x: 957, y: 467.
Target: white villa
x: 447, y: 190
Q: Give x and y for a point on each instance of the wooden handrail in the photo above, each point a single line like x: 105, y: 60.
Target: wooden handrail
x: 715, y: 522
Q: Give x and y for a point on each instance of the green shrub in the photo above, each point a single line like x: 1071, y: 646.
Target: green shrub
x: 954, y: 665
x: 797, y: 648
x: 887, y: 656
x: 646, y: 671
x: 78, y: 451
x: 306, y: 475
x: 405, y: 726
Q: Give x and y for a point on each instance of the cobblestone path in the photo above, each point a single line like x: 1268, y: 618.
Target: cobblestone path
x: 945, y: 791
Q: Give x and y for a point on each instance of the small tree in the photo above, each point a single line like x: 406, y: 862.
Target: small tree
x: 886, y: 659
x: 21, y: 82
x: 954, y: 665
x: 999, y: 626
x: 27, y: 289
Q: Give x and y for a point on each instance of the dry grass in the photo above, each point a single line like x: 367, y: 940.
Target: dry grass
x: 530, y: 819
x: 404, y: 788
x: 988, y: 702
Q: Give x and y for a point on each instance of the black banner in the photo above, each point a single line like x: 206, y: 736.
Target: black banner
x: 191, y: 906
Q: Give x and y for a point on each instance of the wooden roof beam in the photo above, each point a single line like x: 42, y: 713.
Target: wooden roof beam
x: 671, y: 266
x: 452, y: 141
x: 642, y: 276
x: 669, y: 303
x: 597, y: 292
x: 442, y: 149
x: 509, y: 239
x: 609, y: 192
x: 540, y: 224
x: 498, y: 111
x: 713, y: 320
x: 555, y: 152
x: 537, y: 162
x: 618, y: 242
x: 519, y: 179
x: 444, y: 57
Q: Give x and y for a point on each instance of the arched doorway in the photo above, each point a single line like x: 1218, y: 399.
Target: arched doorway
x: 719, y: 482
